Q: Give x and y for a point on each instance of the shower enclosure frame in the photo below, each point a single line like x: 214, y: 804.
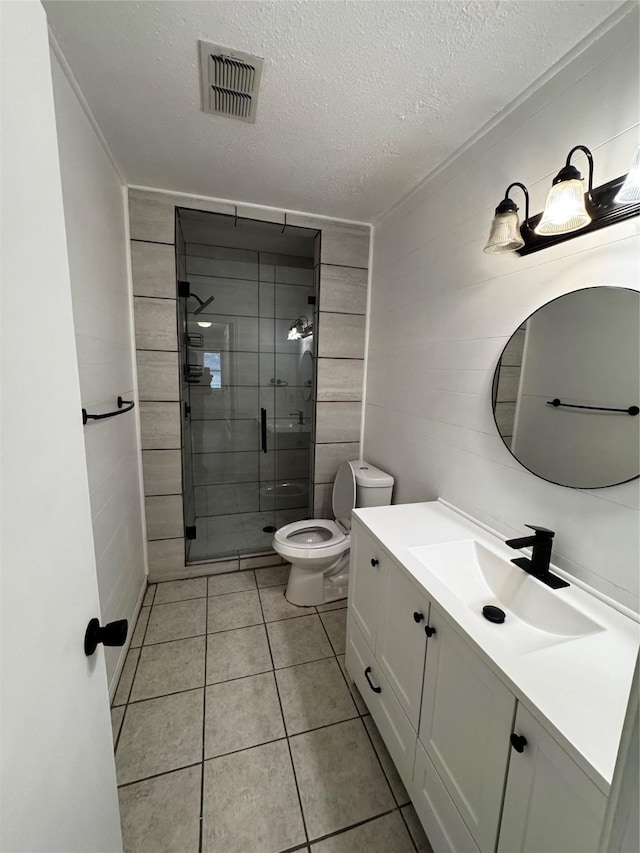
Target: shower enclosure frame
x: 191, y: 510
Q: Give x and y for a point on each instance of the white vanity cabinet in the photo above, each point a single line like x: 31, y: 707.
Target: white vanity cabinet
x: 466, y: 723
x: 550, y: 804
x: 449, y: 722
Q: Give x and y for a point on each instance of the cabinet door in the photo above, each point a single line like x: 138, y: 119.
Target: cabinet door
x: 440, y: 818
x: 467, y: 717
x: 401, y: 640
x: 387, y: 714
x: 550, y: 804
x: 367, y: 569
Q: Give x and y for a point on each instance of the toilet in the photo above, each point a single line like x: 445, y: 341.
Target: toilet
x: 318, y: 549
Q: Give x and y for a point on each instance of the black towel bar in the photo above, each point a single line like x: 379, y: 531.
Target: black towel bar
x: 128, y: 403
x: 632, y: 410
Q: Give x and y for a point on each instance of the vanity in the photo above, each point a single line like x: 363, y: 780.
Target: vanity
x: 504, y: 734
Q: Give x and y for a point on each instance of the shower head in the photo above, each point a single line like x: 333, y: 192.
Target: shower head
x: 202, y: 304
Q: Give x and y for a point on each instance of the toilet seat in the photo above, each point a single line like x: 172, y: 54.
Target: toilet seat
x: 314, y: 534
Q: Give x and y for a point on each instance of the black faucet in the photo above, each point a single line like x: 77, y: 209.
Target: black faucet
x: 538, y: 565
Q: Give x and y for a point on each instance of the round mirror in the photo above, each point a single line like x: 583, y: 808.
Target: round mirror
x: 567, y: 386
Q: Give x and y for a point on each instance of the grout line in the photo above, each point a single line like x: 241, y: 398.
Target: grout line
x: 293, y: 767
x: 406, y: 825
x: 344, y: 829
x: 204, y: 724
x: 135, y: 672
x: 157, y: 775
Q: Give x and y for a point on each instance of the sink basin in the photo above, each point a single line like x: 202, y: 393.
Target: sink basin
x: 536, y: 616
x: 288, y: 427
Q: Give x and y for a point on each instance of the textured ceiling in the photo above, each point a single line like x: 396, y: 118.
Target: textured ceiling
x: 359, y: 100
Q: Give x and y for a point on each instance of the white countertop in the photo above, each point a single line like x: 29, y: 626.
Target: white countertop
x: 577, y: 689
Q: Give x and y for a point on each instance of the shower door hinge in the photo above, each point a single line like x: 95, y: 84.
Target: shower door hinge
x: 190, y: 531
x: 311, y: 300
x: 184, y: 289
x: 187, y: 410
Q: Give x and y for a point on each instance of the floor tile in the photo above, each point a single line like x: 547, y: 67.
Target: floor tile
x: 273, y: 576
x: 336, y: 624
x: 298, y: 641
x: 386, y: 834
x: 361, y: 705
x: 147, y: 601
x: 393, y: 777
x: 176, y: 621
x: 275, y: 606
x: 141, y: 627
x: 116, y: 721
x: 241, y: 713
x: 160, y: 735
x: 232, y: 582
x: 169, y: 668
x: 235, y: 610
x: 339, y: 778
x: 250, y: 802
x: 162, y: 815
x: 314, y: 694
x: 126, y: 677
x: 235, y: 654
x: 415, y: 828
x: 333, y: 605
x: 180, y: 590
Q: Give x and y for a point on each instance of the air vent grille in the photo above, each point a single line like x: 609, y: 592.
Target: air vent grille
x: 230, y: 81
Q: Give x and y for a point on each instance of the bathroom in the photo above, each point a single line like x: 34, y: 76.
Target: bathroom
x: 233, y: 712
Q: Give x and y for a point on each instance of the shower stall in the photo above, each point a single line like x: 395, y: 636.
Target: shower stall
x: 247, y: 294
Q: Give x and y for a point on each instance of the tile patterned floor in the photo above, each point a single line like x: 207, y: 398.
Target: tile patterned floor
x: 237, y: 730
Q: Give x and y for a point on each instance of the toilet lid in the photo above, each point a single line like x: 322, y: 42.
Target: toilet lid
x: 344, y: 495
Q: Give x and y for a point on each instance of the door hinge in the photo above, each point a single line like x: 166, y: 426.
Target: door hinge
x: 187, y: 410
x: 184, y: 289
x: 190, y: 531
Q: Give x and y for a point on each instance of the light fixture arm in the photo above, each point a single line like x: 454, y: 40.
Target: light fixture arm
x: 568, y: 165
x: 526, y: 198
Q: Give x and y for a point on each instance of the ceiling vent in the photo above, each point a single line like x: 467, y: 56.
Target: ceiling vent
x: 230, y: 81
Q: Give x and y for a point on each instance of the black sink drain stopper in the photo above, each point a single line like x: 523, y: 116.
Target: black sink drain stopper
x: 493, y: 614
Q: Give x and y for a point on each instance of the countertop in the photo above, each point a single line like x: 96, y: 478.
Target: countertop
x: 577, y: 689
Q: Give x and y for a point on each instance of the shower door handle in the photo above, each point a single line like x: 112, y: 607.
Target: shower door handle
x: 263, y: 429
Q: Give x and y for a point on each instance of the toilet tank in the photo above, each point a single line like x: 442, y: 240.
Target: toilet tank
x: 373, y: 486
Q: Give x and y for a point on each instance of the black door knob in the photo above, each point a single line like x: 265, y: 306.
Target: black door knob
x: 429, y: 631
x: 374, y: 562
x: 518, y: 742
x: 113, y: 634
x: 418, y: 617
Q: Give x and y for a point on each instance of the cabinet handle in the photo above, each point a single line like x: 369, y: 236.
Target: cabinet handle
x: 366, y: 675
x: 418, y: 617
x: 374, y: 562
x: 429, y: 631
x: 518, y: 742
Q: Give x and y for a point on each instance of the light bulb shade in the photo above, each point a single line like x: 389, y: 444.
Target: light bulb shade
x: 505, y: 234
x: 565, y: 209
x: 629, y: 192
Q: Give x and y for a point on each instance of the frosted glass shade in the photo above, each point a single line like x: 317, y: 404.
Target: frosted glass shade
x: 630, y: 190
x: 564, y: 210
x: 505, y: 234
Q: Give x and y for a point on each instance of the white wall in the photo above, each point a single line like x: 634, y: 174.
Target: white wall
x: 94, y: 206
x: 441, y: 312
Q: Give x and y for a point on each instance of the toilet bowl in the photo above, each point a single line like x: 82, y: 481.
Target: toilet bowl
x: 318, y: 549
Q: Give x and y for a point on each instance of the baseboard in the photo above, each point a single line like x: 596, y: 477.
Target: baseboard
x: 117, y: 672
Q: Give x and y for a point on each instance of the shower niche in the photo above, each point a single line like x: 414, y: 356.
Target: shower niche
x: 246, y: 303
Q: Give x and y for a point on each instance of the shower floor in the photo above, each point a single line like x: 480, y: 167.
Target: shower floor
x: 224, y: 535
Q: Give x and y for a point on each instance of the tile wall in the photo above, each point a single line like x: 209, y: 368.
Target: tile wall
x: 341, y: 274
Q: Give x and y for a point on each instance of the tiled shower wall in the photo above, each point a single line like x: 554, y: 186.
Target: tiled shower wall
x: 342, y: 274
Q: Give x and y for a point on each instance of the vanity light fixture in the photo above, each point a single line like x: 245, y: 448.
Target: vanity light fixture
x: 300, y: 328
x: 565, y: 209
x: 506, y: 234
x: 630, y: 191
x: 569, y: 211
